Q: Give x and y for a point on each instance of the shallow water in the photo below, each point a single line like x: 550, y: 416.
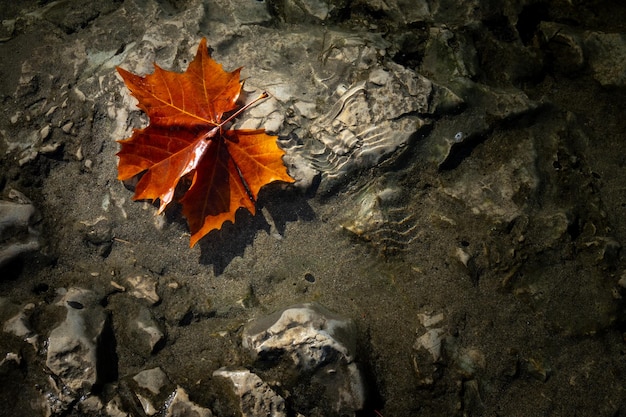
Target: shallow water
x: 459, y: 196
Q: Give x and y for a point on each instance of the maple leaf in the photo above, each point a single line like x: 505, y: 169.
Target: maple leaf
x: 186, y: 139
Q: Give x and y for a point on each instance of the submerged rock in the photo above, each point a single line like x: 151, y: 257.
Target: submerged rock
x: 73, y: 345
x: 606, y: 53
x: 317, y: 345
x: 255, y: 396
x: 17, y: 236
x: 571, y: 49
x: 372, y: 120
x: 179, y: 405
x: 379, y: 214
x: 150, y: 393
x: 19, y: 325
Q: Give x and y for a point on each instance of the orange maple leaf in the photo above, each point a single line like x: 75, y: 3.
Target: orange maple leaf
x: 186, y: 138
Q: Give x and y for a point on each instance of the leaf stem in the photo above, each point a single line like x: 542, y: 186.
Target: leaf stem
x: 262, y: 96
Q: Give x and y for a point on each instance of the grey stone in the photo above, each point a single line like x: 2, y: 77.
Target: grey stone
x: 19, y: 325
x: 566, y: 52
x: 73, y: 345
x: 486, y: 108
x: 150, y: 391
x: 137, y: 328
x: 149, y: 332
x: 17, y: 235
x: 378, y: 214
x: 494, y: 194
x: 247, y: 12
x: 378, y: 105
x: 449, y: 55
x: 404, y: 11
x: 571, y: 49
x: 152, y: 379
x: 606, y: 54
x: 90, y: 405
x: 306, y: 10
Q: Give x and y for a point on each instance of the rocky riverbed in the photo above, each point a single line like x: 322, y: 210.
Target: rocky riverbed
x: 451, y: 245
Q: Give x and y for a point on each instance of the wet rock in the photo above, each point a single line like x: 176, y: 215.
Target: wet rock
x: 307, y: 328
x: 57, y: 398
x: 429, y: 347
x: 17, y: 236
x: 564, y: 47
x: 11, y: 360
x: 372, y: 120
x: 73, y: 345
x: 371, y: 106
x: 7, y: 29
x: 538, y: 367
x: 316, y: 344
x: 256, y: 398
x: 90, y: 405
x: 148, y: 333
x: 379, y: 215
x: 306, y: 10
x: 179, y: 405
x: 114, y: 408
x: 571, y: 49
x: 606, y: 53
x: 449, y: 55
x: 246, y: 13
x: 404, y: 11
x: 98, y: 232
x: 151, y: 392
x: 143, y: 287
x: 152, y: 379
x: 150, y: 388
x: 138, y: 330
x: 19, y: 326
x: 495, y: 194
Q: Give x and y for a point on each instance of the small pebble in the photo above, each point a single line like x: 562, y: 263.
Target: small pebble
x: 44, y: 132
x: 51, y: 110
x: 67, y: 127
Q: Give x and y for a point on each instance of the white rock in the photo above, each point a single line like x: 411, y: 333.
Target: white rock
x: 305, y: 332
x: 152, y: 379
x: 432, y: 342
x: 320, y: 344
x: 179, y: 405
x: 256, y: 396
x: 143, y: 287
